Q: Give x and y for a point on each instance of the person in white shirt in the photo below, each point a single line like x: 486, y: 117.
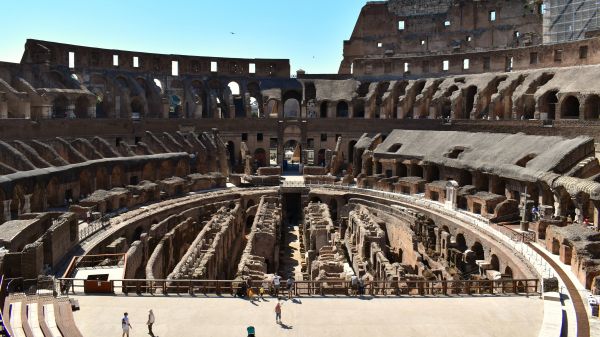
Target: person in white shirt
x: 150, y: 321
x: 125, y: 325
x: 276, y: 284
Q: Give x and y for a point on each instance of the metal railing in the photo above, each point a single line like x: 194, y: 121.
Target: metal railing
x: 308, y: 288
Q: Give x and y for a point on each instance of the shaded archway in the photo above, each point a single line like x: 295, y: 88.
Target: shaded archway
x: 137, y: 108
x: 85, y: 184
x: 291, y: 108
x: 570, y: 108
x: 592, y: 107
x: 341, y: 110
x: 81, y: 107
x: 461, y: 243
x: 351, y: 145
x: 469, y: 101
x: 231, y: 152
x: 260, y: 157
x: 323, y: 109
x: 477, y: 248
x: 149, y: 172
x: 60, y: 107
x: 116, y: 177
x: 550, y: 100
x: 495, y: 262
x: 102, y: 179
x: 359, y: 109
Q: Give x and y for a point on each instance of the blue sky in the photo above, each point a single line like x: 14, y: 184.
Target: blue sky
x: 308, y: 32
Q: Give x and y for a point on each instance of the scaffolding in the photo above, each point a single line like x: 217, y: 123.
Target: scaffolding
x: 567, y: 20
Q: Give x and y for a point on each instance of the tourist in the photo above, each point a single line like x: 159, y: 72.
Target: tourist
x: 361, y: 286
x: 276, y: 284
x: 353, y: 285
x: 125, y: 325
x: 290, y: 286
x: 150, y: 322
x: 251, y: 331
x: 278, y: 313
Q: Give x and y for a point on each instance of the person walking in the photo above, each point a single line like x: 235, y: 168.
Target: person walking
x: 150, y: 322
x: 290, y: 287
x: 276, y: 284
x: 125, y: 325
x: 278, y: 313
x: 353, y: 285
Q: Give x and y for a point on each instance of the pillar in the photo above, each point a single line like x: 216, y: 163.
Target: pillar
x: 27, y: 204
x: 451, y: 194
x: 7, y: 210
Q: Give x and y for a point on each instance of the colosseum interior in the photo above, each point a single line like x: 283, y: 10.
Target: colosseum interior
x: 450, y: 165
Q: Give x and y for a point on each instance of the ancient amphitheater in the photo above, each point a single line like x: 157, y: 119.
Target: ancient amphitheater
x: 444, y: 182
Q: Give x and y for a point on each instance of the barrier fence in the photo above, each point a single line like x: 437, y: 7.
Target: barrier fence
x: 303, y: 288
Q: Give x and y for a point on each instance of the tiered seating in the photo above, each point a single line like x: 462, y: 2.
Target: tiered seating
x: 50, y: 321
x: 14, y: 317
x: 64, y: 318
x: 32, y: 320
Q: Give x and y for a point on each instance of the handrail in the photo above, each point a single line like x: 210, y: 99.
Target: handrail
x: 306, y: 288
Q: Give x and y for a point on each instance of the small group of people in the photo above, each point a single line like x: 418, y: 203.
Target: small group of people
x: 126, y: 325
x: 357, y: 286
x: 247, y: 291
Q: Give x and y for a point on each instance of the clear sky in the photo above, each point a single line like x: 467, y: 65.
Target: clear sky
x: 308, y: 32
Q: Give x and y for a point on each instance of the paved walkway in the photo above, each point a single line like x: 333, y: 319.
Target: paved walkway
x: 415, y: 317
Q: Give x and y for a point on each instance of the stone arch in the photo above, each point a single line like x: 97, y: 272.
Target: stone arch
x: 548, y: 104
x: 508, y: 272
x: 569, y: 108
x: 256, y: 100
x: 137, y: 107
x: 477, y: 248
x: 60, y: 106
x: 85, y: 183
x: 469, y: 103
x: 351, y: 146
x: 165, y: 170
x: 260, y: 157
x: 342, y: 110
x: 117, y: 177
x: 54, y: 197
x: 358, y: 110
x: 495, y: 262
x: 323, y: 110
x: 592, y: 107
x: 82, y: 105
x: 149, y: 172
x: 182, y: 169
x: 446, y: 109
x: 102, y: 178
x: 291, y: 108
x: 175, y: 106
x: 461, y: 243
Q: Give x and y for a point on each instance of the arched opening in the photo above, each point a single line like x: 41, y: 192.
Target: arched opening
x: 461, y: 243
x: 238, y: 102
x: 508, y: 272
x: 291, y: 108
x: 149, y: 172
x: 351, y: 145
x: 53, y: 194
x: 323, y: 109
x: 102, y: 179
x: 199, y: 98
x: 165, y: 170
x: 477, y: 248
x: 17, y: 203
x: 342, y: 110
x: 570, y: 108
x: 182, y: 168
x: 359, y: 109
x: 231, y: 152
x: 116, y: 177
x: 249, y: 223
x: 495, y: 262
x: 260, y: 157
x: 102, y: 107
x: 333, y: 206
x: 255, y: 108
x: 60, y: 107
x: 291, y: 155
x: 592, y: 107
x: 446, y: 109
x: 137, y: 234
x: 315, y: 199
x: 137, y: 108
x: 550, y: 102
x: 85, y: 184
x: 81, y: 107
x: 321, y: 157
x: 528, y: 108
x: 174, y: 106
x: 469, y: 101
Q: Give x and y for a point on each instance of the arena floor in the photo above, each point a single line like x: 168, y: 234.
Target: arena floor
x: 186, y: 316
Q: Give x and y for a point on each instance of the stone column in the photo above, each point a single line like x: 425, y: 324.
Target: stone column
x: 7, y: 210
x: 451, y: 194
x: 557, y: 208
x: 27, y: 204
